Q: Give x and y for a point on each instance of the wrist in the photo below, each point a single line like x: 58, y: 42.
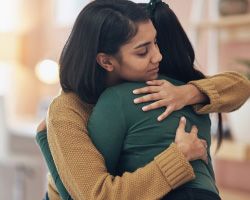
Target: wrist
x: 183, y: 149
x: 194, y: 95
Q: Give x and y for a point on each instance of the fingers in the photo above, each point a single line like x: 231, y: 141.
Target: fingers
x: 156, y: 82
x: 147, y: 98
x: 205, y: 157
x: 147, y: 89
x: 204, y: 143
x: 167, y: 112
x: 203, y: 150
x: 182, y: 124
x: 180, y: 132
x: 155, y: 105
x: 194, y: 131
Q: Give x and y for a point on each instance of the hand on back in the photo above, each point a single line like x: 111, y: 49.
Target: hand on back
x: 164, y: 94
x: 42, y: 126
x: 189, y: 144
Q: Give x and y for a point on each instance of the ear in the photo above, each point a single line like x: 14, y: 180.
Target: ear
x: 105, y: 61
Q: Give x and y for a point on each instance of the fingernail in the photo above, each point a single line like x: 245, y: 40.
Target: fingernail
x: 159, y: 119
x: 136, y: 100
x: 144, y: 108
x: 135, y: 92
x: 149, y: 82
x: 183, y: 118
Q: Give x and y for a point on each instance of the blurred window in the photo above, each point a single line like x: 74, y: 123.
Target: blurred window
x: 67, y: 11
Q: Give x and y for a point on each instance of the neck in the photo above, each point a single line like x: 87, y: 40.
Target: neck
x: 112, y: 80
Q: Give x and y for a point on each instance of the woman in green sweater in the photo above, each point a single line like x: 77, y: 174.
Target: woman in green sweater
x: 66, y: 103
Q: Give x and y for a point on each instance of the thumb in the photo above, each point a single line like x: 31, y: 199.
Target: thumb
x: 182, y: 124
x: 181, y: 129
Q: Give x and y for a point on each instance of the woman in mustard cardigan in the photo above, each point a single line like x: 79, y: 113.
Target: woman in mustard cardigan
x: 79, y: 164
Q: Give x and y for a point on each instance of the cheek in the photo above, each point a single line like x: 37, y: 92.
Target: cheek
x: 134, y: 68
x: 139, y: 65
x: 136, y: 72
x: 133, y: 72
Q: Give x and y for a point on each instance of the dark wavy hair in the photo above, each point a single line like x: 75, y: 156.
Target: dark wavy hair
x: 102, y: 26
x: 176, y: 49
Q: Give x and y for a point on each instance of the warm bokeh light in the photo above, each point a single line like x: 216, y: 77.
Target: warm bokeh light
x: 47, y: 71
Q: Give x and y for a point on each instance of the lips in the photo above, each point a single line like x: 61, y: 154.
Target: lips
x: 155, y: 69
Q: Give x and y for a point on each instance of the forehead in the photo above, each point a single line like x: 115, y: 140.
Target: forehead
x: 145, y: 33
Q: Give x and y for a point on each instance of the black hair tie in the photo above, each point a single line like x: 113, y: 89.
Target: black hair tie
x: 152, y: 5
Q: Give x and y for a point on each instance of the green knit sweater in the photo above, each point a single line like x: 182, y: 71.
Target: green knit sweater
x: 129, y: 138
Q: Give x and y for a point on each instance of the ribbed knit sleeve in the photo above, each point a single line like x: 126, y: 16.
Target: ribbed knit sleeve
x: 82, y: 168
x: 174, y: 175
x: 226, y: 91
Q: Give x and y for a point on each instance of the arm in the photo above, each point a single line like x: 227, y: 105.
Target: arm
x: 223, y: 92
x: 41, y: 139
x: 82, y: 168
x: 227, y: 92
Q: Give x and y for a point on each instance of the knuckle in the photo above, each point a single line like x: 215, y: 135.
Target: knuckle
x: 154, y: 96
x: 149, y: 107
x: 150, y: 89
x: 153, y: 105
x: 164, y: 114
x: 146, y: 98
x: 171, y: 108
x: 141, y: 99
x: 178, y: 130
x: 157, y: 104
x: 140, y: 90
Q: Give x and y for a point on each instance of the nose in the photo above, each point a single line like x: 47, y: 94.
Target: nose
x: 156, y: 55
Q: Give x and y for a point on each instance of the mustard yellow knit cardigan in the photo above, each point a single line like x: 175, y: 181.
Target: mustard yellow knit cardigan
x: 82, y: 168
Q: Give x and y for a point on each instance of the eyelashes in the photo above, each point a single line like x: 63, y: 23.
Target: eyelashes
x: 143, y: 54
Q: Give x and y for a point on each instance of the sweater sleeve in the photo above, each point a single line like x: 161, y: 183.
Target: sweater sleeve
x: 226, y: 91
x: 82, y: 168
x: 41, y: 139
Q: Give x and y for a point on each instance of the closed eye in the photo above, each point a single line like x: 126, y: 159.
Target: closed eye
x: 143, y: 54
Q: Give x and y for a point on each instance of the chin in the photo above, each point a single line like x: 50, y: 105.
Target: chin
x: 153, y: 77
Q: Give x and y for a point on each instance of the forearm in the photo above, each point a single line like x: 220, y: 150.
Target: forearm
x: 41, y: 139
x: 89, y: 178
x: 226, y: 92
x: 194, y: 95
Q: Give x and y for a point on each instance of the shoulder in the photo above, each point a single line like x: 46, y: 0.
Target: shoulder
x: 119, y: 95
x: 171, y: 80
x: 123, y: 89
x: 68, y: 102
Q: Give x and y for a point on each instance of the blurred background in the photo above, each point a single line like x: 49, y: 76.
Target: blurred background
x: 32, y: 35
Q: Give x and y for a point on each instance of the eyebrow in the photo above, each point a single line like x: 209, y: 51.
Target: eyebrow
x: 143, y: 44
